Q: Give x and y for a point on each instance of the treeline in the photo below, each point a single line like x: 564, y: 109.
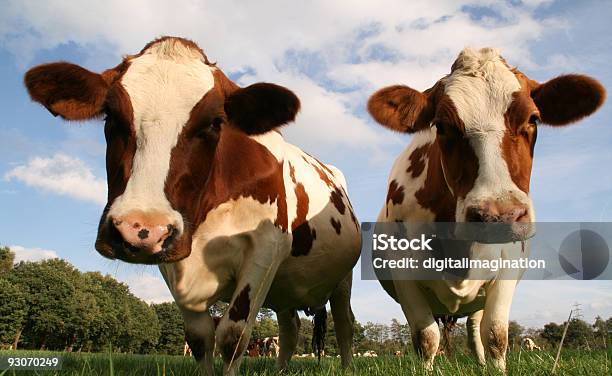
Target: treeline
x: 52, y: 305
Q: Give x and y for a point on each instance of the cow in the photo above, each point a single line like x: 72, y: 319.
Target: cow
x: 271, y: 347
x: 202, y: 183
x: 530, y: 344
x: 469, y: 160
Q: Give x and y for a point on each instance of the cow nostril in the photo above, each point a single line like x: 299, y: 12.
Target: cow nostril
x: 143, y: 234
x: 521, y: 215
x: 474, y: 215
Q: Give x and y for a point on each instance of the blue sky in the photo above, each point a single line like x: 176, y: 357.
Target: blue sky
x: 333, y: 55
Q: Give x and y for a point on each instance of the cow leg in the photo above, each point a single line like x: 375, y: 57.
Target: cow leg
x: 494, y: 326
x: 473, y: 333
x: 259, y: 266
x: 289, y: 328
x: 344, y: 319
x: 425, y: 331
x: 200, y: 335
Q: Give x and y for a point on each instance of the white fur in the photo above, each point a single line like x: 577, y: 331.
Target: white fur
x: 164, y: 84
x: 481, y: 89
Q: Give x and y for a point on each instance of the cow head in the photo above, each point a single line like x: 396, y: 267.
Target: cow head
x: 486, y: 116
x: 165, y: 110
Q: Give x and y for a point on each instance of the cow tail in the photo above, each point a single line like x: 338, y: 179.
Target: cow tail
x: 319, y: 329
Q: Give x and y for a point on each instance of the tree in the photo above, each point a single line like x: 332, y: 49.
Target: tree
x: 143, y: 326
x: 48, y: 285
x: 7, y: 258
x: 13, y: 311
x: 399, y: 332
x: 304, y: 344
x: 552, y: 333
x: 579, y: 334
x: 603, y: 330
x: 110, y: 298
x: 515, y: 333
x: 172, y: 329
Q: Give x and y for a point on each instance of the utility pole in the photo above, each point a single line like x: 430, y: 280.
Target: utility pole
x: 562, y: 339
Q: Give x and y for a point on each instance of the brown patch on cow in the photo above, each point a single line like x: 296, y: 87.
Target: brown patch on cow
x: 320, y: 169
x: 336, y: 197
x: 417, y: 161
x: 196, y: 344
x: 498, y: 339
x: 241, y: 306
x: 354, y: 218
x: 303, y: 235
x: 242, y: 167
x: 336, y: 225
x: 395, y: 194
x: 435, y: 195
x: 519, y: 139
x: 303, y: 238
x: 452, y: 165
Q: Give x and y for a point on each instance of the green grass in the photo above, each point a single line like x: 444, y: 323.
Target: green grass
x: 530, y: 364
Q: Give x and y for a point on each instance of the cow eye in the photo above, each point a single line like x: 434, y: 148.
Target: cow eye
x: 216, y: 123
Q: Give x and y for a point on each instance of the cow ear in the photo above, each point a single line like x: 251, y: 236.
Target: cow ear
x: 568, y: 98
x: 67, y: 90
x: 401, y: 108
x: 261, y: 107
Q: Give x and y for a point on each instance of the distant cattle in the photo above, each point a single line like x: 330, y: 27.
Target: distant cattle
x: 202, y: 183
x: 470, y: 160
x: 530, y: 344
x: 187, y: 350
x: 271, y: 347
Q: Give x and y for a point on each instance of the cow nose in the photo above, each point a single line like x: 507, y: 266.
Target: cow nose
x: 147, y: 232
x: 498, y: 213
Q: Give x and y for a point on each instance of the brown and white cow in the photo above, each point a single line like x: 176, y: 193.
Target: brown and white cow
x: 470, y: 160
x: 201, y: 183
x: 530, y: 344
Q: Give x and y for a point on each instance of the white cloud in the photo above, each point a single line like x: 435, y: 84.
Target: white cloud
x: 149, y: 287
x: 63, y: 175
x: 32, y: 254
x: 343, y: 36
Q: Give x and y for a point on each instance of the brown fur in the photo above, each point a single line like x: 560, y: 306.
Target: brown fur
x: 568, y: 98
x: 67, y: 90
x: 337, y: 225
x: 303, y: 235
x: 261, y: 107
x: 417, y: 161
x: 401, y: 108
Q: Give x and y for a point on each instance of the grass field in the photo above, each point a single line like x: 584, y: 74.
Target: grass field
x: 529, y: 364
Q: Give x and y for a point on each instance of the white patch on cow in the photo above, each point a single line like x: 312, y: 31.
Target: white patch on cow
x: 409, y: 209
x: 481, y: 88
x: 164, y: 84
